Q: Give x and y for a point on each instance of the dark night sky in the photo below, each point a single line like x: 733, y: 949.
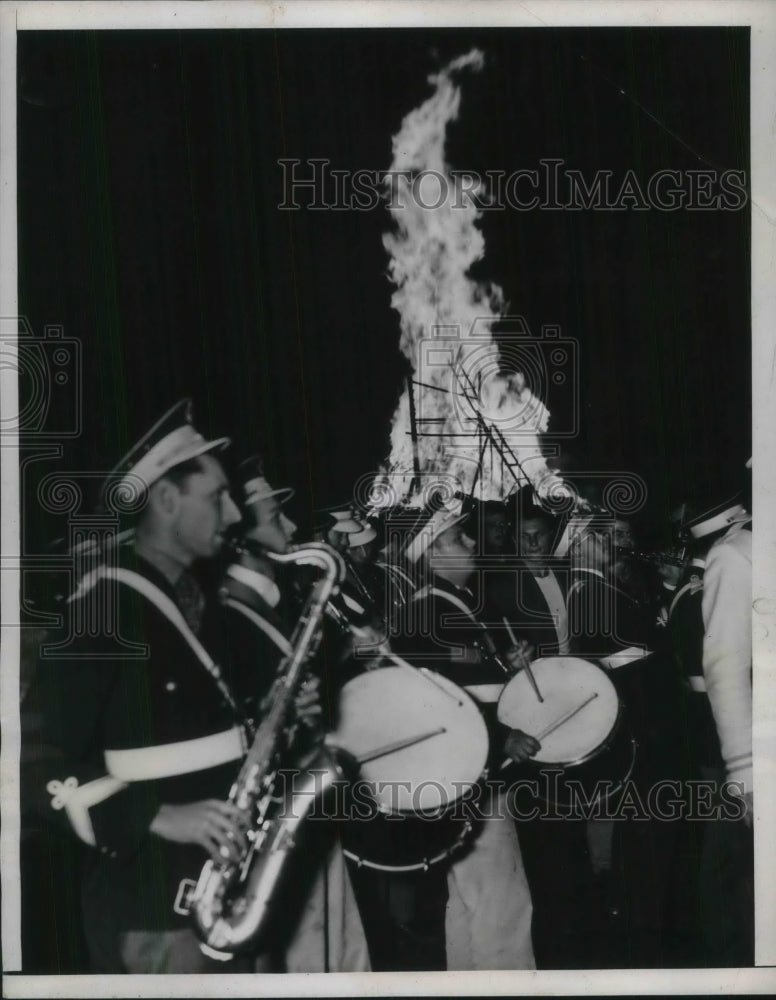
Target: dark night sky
x: 149, y: 229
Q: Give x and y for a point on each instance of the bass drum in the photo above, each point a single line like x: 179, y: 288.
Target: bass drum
x: 586, y: 753
x: 421, y: 745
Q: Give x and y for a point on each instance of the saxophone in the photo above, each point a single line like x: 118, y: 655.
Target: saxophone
x: 231, y: 900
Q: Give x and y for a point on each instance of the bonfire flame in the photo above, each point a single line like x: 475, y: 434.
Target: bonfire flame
x: 466, y: 399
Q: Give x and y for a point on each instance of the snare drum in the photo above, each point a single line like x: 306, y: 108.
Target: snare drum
x: 579, y: 725
x: 421, y: 743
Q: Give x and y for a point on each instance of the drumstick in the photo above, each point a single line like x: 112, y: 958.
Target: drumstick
x: 565, y: 718
x: 387, y: 748
x: 556, y: 724
x: 526, y: 665
x: 424, y: 673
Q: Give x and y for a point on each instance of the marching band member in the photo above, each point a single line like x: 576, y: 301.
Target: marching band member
x: 524, y: 594
x: 685, y: 625
x: 529, y: 594
x: 727, y: 643
x: 358, y: 591
x: 335, y: 524
x: 727, y: 867
x: 354, y: 605
x: 398, y: 586
x: 633, y: 852
x: 141, y: 734
x: 360, y: 555
x: 488, y: 913
x: 321, y: 930
x: 393, y: 578
x: 488, y: 525
x: 605, y: 623
x: 52, y: 941
x: 639, y: 580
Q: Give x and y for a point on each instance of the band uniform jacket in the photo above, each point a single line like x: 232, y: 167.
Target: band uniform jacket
x: 727, y: 647
x: 510, y: 591
x: 131, y: 719
x: 685, y: 624
x: 446, y: 635
x: 608, y: 627
x: 253, y: 633
x: 489, y: 909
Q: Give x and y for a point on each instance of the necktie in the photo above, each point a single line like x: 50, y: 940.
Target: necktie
x: 191, y: 601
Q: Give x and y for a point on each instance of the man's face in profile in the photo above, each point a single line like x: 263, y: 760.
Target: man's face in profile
x: 205, y: 510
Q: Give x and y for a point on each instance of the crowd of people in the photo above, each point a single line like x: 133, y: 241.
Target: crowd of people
x: 628, y: 846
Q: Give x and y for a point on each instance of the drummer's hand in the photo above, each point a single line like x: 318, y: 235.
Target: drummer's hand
x: 520, y: 746
x: 520, y: 654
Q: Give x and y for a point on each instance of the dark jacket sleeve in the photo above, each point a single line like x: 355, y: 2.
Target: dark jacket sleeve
x: 62, y: 763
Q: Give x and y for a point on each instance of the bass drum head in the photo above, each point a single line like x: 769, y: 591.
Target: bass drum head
x: 565, y: 683
x: 385, y: 707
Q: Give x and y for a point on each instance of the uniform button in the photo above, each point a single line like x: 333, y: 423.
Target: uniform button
x: 170, y: 686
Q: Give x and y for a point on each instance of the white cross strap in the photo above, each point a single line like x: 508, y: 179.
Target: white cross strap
x: 171, y: 612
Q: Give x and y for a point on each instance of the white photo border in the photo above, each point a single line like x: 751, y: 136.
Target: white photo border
x: 760, y: 16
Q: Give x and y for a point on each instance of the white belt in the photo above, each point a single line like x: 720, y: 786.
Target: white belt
x: 697, y: 684
x: 171, y: 759
x: 486, y: 693
x: 624, y: 656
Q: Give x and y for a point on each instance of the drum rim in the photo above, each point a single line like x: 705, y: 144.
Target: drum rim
x: 424, y: 865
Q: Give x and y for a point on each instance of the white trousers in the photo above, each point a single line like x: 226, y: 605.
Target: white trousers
x: 329, y: 932
x: 488, y: 918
